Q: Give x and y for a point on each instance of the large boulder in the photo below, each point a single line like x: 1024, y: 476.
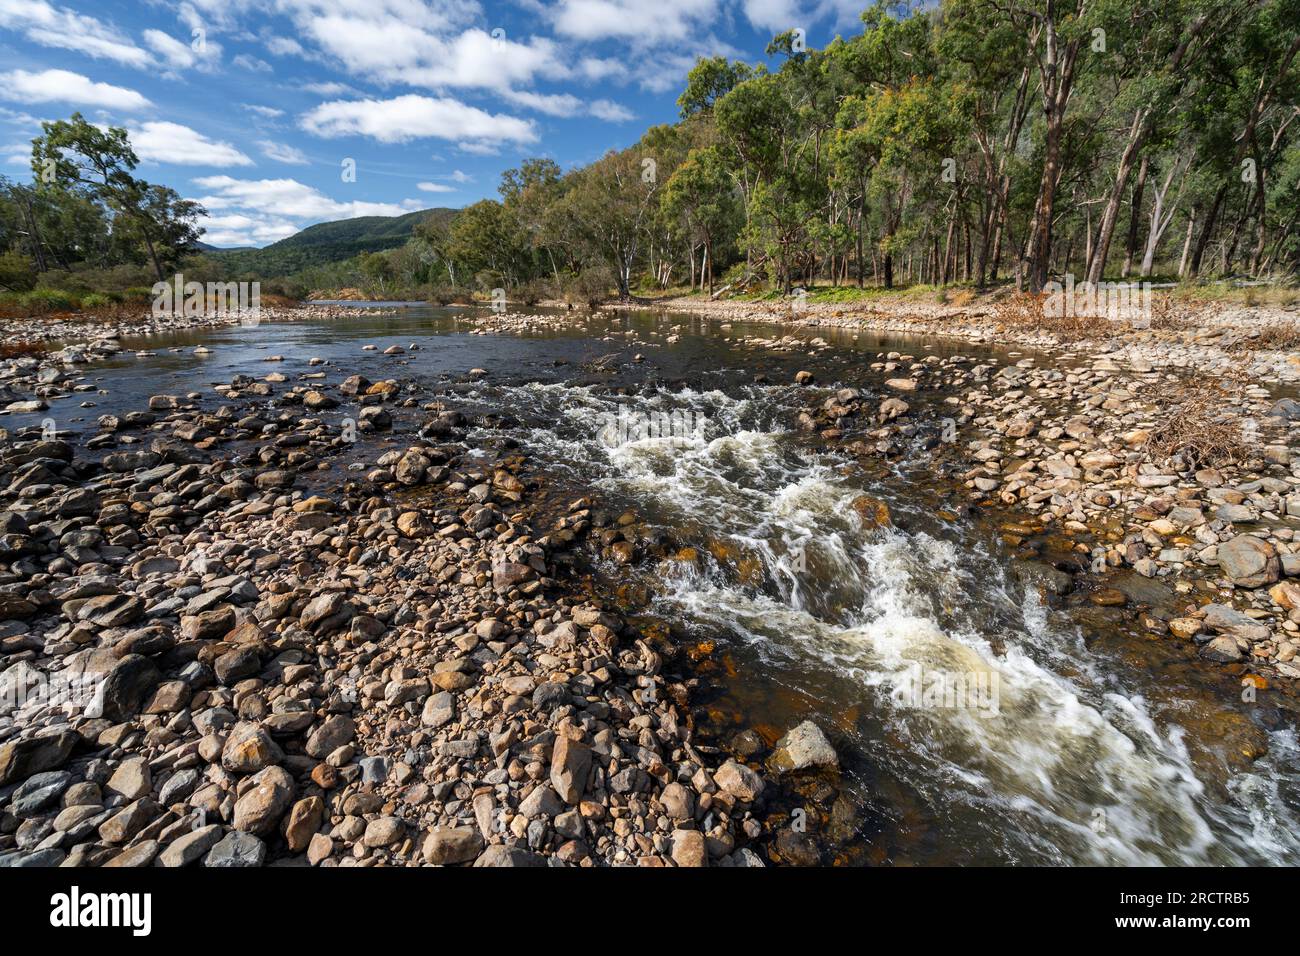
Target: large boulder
x: 802, y: 748
x: 127, y: 688
x: 265, y: 802
x: 446, y: 845
x: 1248, y: 561
x: 508, y: 856
x: 570, y: 766
x: 739, y: 781
x: 20, y: 759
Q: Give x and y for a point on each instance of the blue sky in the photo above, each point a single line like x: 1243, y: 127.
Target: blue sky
x: 255, y: 107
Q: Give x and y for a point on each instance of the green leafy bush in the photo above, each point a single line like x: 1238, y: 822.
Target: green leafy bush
x: 17, y: 272
x: 98, y: 300
x: 530, y: 293
x: 44, y: 301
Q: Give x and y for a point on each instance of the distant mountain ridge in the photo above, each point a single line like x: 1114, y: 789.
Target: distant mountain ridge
x: 327, y: 242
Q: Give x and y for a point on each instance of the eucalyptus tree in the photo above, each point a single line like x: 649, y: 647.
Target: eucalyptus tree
x: 75, y: 153
x: 610, y: 203
x: 700, y: 196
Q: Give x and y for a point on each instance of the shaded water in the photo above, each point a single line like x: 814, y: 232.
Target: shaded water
x: 1109, y: 750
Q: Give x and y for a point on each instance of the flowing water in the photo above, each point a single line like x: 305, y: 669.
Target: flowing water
x: 975, y: 724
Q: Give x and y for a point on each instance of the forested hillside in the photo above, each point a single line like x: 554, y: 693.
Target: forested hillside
x: 327, y: 242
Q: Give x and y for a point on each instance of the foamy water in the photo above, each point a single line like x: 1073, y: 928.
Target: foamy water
x: 1012, y: 731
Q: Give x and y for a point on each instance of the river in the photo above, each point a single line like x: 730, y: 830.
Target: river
x: 1067, y: 739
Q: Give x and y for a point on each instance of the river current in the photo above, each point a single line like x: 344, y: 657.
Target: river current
x: 975, y: 723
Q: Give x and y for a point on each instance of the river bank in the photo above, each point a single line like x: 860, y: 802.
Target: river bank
x: 1210, y: 337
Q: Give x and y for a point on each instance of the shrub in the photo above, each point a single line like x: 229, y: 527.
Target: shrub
x: 286, y: 287
x: 44, y: 301
x: 530, y: 293
x: 97, y: 300
x: 17, y: 272
x: 590, y: 287
x: 442, y: 294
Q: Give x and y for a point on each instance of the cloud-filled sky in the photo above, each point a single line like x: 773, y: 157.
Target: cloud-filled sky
x: 257, y: 107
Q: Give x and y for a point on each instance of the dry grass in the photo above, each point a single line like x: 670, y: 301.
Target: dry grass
x: 1271, y: 336
x: 1026, y: 312
x: 21, y: 349
x: 1175, y: 315
x: 1198, y: 424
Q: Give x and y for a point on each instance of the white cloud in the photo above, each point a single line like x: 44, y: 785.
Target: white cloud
x: 435, y: 188
x: 251, y: 63
x: 634, y: 19
x: 596, y: 68
x: 164, y: 142
x: 553, y: 104
x: 379, y: 45
x: 245, y: 212
x: 63, y: 86
x: 411, y: 116
x: 284, y: 46
x: 238, y: 229
x: 268, y: 112
x: 222, y: 13
x: 65, y: 29
x: 328, y: 89
x: 282, y: 152
x: 610, y: 111
x: 19, y: 154
x: 184, y: 56
x: 288, y: 197
x: 776, y: 15
x: 478, y: 149
x: 18, y: 118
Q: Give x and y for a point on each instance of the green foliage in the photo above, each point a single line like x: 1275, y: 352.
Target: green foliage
x: 17, y: 271
x: 97, y: 300
x: 44, y: 301
x: 591, y: 287
x: 710, y: 80
x: 534, y: 291
x: 78, y: 165
x: 950, y: 143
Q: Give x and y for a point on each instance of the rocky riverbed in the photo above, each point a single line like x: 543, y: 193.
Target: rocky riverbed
x: 315, y: 618
x: 1069, y: 448
x: 205, y: 662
